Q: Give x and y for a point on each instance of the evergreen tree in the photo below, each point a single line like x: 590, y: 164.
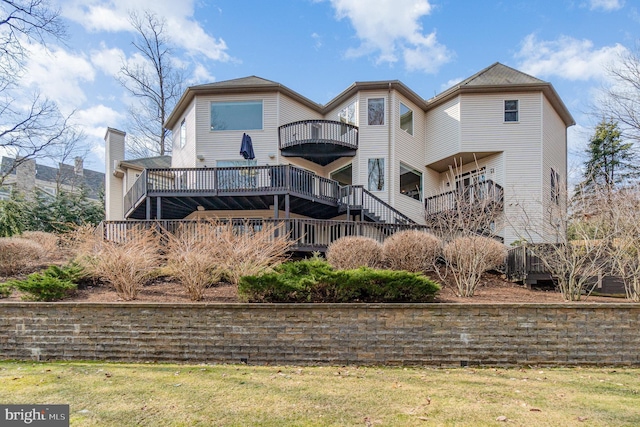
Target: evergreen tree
x: 611, y: 162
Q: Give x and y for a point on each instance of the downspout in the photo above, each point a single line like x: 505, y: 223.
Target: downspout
x: 389, y: 145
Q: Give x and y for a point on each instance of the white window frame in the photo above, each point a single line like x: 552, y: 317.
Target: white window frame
x: 382, y: 170
x: 511, y: 111
x: 409, y: 131
x: 183, y: 133
x: 384, y: 112
x: 554, y: 186
x: 256, y: 101
x: 416, y: 172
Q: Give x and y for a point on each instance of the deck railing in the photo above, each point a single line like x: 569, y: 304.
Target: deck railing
x: 487, y: 191
x: 357, y: 197
x: 237, y: 180
x: 307, y: 234
x: 318, y: 131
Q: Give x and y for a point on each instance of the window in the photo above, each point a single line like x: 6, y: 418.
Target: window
x: 183, y: 134
x: 410, y: 182
x: 406, y: 119
x: 233, y: 174
x: 344, y: 175
x: 376, y: 111
x: 511, y: 110
x: 555, y: 187
x: 376, y: 175
x: 348, y: 114
x: 240, y: 115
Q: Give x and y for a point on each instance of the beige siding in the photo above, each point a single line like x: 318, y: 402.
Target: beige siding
x: 483, y: 129
x: 443, y: 131
x: 225, y: 145
x: 374, y: 142
x: 185, y: 157
x: 554, y: 155
x: 409, y: 150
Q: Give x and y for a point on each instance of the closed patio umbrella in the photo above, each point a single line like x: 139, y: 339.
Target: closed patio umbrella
x: 246, y: 148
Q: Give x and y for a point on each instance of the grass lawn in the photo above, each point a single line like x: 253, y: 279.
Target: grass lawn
x: 109, y: 394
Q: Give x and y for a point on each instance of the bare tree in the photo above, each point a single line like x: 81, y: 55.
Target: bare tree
x: 155, y: 82
x: 467, y: 221
x: 622, y: 99
x: 26, y: 132
x: 582, y: 238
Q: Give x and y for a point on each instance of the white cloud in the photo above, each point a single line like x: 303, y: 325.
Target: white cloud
x: 97, y: 118
x: 390, y: 29
x: 182, y: 29
x: 606, y: 5
x: 109, y: 61
x: 317, y: 40
x: 567, y: 58
x: 201, y: 75
x: 58, y: 75
x: 450, y: 83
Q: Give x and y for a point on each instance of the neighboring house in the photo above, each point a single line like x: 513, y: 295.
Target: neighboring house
x: 28, y: 177
x: 377, y: 153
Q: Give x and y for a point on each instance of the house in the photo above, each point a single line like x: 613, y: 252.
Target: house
x: 377, y: 154
x: 28, y: 177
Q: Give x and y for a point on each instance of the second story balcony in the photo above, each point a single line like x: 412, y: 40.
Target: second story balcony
x: 319, y: 141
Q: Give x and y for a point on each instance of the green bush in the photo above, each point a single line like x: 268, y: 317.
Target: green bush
x: 316, y: 281
x: 5, y: 290
x: 55, y: 283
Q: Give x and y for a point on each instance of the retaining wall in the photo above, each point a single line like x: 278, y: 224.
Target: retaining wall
x: 305, y: 334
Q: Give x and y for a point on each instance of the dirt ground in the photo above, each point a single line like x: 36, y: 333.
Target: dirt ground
x: 494, y: 289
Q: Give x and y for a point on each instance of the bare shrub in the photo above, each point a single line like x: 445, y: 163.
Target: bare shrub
x: 48, y: 241
x: 352, y: 252
x: 468, y: 257
x: 250, y: 248
x: 126, y: 265
x: 195, y: 256
x: 411, y: 250
x: 17, y: 253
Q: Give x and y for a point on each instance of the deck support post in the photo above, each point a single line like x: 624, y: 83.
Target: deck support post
x: 286, y: 206
x: 148, y: 207
x: 276, y: 204
x: 158, y: 208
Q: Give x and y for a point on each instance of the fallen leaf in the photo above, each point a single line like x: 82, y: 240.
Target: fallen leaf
x: 423, y: 418
x: 428, y: 400
x: 502, y: 418
x: 535, y: 410
x: 581, y: 419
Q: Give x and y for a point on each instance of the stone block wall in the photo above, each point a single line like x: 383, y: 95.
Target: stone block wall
x: 309, y: 334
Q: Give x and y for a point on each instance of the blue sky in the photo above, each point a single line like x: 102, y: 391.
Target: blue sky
x: 319, y: 47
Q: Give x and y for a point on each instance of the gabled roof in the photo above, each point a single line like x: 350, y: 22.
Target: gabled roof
x: 495, y: 78
x: 501, y: 78
x: 251, y: 84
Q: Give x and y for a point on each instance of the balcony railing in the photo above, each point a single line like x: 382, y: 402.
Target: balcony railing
x: 319, y: 141
x: 307, y: 234
x: 229, y: 181
x: 480, y: 194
